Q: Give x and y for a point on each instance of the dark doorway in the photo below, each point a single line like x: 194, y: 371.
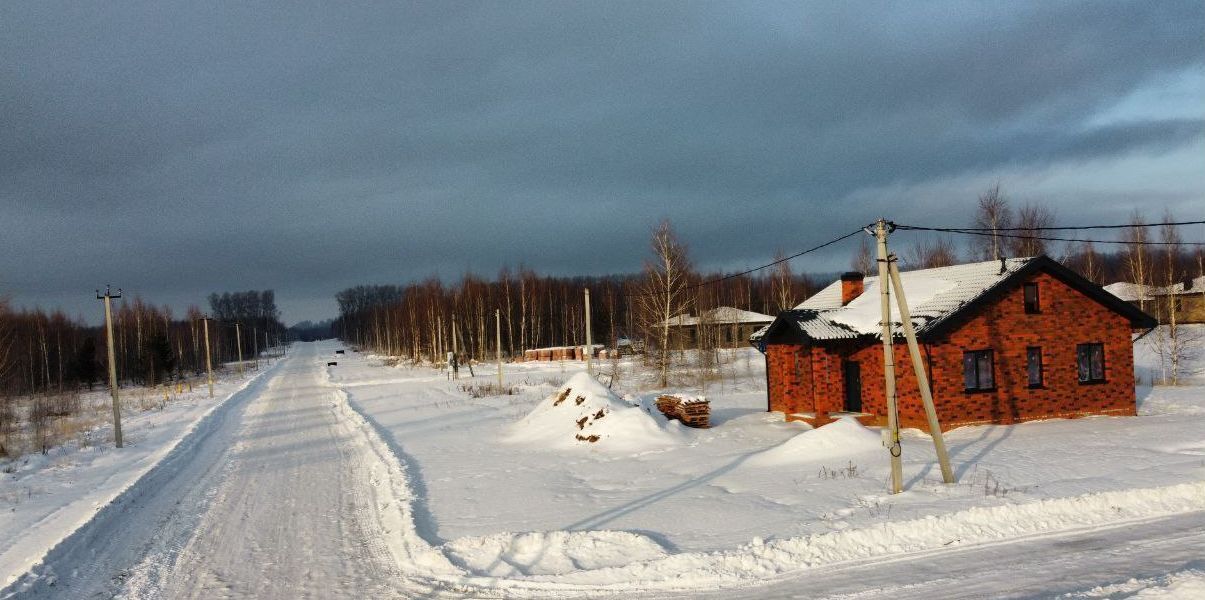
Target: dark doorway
x: 853, y: 386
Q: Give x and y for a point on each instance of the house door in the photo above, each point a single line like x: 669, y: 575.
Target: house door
x: 853, y: 386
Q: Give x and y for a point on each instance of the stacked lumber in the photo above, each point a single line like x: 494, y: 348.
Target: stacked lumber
x: 692, y: 412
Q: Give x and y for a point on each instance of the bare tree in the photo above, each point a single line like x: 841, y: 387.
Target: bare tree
x: 1172, y: 351
x: 783, y: 283
x: 1031, y: 218
x: 932, y: 253
x: 863, y: 262
x: 1137, y: 256
x: 994, y: 214
x: 6, y: 339
x: 1087, y: 262
x: 663, y: 293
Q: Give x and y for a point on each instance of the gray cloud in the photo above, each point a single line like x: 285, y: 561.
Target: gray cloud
x: 179, y: 149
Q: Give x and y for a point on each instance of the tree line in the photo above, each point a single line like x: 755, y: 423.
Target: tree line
x: 418, y: 320
x: 49, y: 352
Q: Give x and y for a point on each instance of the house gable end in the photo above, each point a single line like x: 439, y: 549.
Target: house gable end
x: 784, y: 330
x: 1045, y: 264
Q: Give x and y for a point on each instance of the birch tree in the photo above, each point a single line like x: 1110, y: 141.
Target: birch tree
x: 782, y: 283
x: 1137, y: 256
x: 1172, y: 350
x: 992, y: 214
x: 664, y: 294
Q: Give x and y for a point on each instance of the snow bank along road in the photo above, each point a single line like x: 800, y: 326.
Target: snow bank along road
x: 277, y: 495
x: 285, y: 491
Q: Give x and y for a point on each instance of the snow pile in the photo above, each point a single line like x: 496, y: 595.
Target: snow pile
x: 550, y: 553
x: 1186, y: 584
x: 584, y: 413
x: 1189, y: 584
x: 840, y: 439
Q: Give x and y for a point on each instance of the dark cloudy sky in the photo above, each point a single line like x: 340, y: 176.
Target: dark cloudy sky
x: 180, y: 148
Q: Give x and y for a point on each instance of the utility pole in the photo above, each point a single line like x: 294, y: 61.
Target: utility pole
x: 455, y: 349
x: 892, y: 435
x: 208, y: 360
x: 498, y: 344
x: 108, y: 298
x: 939, y: 442
x: 238, y: 345
x: 589, y: 338
x: 255, y: 347
x: 438, y: 341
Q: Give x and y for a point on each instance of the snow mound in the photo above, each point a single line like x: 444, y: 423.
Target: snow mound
x: 839, y: 439
x: 584, y: 413
x: 550, y: 553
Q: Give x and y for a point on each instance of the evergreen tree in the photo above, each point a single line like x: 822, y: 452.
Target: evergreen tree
x: 86, y: 367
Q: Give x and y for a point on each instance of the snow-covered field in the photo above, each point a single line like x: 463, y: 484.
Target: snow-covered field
x: 567, y: 488
x: 753, y: 486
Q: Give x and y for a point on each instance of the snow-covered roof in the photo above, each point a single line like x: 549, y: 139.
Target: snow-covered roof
x: 721, y: 315
x: 933, y: 295
x: 1132, y: 292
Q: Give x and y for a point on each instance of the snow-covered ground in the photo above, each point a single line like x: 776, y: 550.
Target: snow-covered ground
x: 566, y: 488
x: 44, y: 498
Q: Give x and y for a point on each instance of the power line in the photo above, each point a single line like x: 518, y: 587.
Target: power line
x: 1052, y: 228
x: 755, y: 269
x: 1044, y: 238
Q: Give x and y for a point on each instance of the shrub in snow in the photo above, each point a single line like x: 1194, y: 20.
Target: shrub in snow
x: 584, y: 413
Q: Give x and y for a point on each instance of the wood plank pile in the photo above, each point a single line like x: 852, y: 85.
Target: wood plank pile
x: 692, y: 412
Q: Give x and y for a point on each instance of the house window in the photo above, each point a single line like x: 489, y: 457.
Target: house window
x: 977, y: 370
x: 1031, y: 298
x: 1033, y: 366
x: 1091, y: 362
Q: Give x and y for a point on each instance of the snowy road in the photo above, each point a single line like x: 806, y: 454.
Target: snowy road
x: 1039, y: 567
x: 268, y: 501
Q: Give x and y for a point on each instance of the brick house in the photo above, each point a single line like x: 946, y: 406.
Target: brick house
x: 1003, y: 342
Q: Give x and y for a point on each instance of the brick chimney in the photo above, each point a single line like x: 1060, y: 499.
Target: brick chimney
x: 851, y: 286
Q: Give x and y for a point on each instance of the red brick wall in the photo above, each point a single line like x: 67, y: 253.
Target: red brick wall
x: 790, y: 378
x: 1067, y: 318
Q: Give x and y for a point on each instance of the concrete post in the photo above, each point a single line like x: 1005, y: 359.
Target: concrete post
x: 893, y: 427
x: 108, y: 298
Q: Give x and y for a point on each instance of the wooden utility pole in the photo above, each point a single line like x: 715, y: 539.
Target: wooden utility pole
x: 238, y: 346
x: 589, y: 338
x: 939, y: 442
x: 456, y: 371
x: 108, y: 298
x: 438, y: 341
x: 255, y: 347
x: 892, y: 436
x: 208, y: 360
x: 498, y: 344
